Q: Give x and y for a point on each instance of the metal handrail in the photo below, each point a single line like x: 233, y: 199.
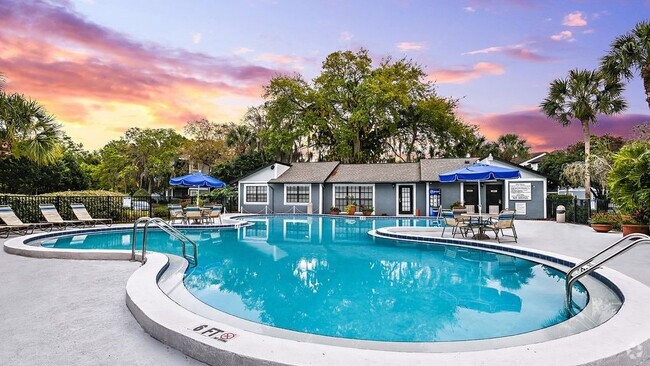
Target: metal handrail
x: 170, y: 230
x: 586, y: 267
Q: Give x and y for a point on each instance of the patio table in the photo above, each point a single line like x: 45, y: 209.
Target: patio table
x: 478, y: 220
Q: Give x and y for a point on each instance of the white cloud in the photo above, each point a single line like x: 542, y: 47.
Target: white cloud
x: 294, y: 61
x: 563, y: 36
x: 575, y: 19
x: 588, y: 31
x: 410, y: 46
x: 469, y: 9
x: 346, y: 36
x: 242, y: 50
x: 196, y: 38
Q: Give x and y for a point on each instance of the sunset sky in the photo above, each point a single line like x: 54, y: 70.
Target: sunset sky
x: 102, y: 66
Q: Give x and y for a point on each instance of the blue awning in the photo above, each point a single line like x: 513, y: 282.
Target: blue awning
x: 479, y: 172
x: 197, y: 180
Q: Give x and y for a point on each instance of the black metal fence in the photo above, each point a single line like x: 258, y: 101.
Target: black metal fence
x: 120, y: 209
x: 578, y: 210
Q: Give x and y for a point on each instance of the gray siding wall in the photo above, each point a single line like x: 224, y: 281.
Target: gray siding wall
x: 450, y: 193
x: 328, y: 193
x: 534, y: 207
x: 421, y: 198
x: 278, y: 206
x: 385, y: 199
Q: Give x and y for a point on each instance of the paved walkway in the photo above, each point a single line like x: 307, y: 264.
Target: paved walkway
x: 70, y: 312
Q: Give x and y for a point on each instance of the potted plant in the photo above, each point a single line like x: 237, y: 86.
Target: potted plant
x: 629, y: 185
x: 456, y: 204
x: 351, y: 208
x: 335, y: 210
x: 603, y: 222
x: 367, y: 210
x: 636, y: 222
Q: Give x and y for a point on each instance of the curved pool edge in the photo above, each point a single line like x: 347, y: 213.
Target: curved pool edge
x: 620, y: 341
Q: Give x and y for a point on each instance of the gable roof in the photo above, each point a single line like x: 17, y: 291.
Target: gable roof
x: 256, y: 171
x: 307, y: 173
x: 432, y: 168
x: 535, y: 158
x: 521, y: 167
x: 376, y: 173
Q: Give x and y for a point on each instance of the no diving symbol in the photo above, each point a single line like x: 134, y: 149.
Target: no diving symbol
x: 227, y: 336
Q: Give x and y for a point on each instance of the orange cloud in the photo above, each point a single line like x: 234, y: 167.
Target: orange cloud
x: 517, y: 51
x: 563, y: 36
x: 98, y: 82
x: 463, y: 74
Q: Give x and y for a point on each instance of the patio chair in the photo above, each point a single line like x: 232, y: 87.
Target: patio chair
x: 14, y: 224
x: 505, y: 220
x: 52, y: 216
x: 193, y: 213
x: 458, y: 224
x: 176, y: 213
x: 470, y: 209
x: 82, y: 214
x: 215, y: 213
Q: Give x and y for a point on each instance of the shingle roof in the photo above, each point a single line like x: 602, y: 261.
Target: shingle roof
x: 432, y: 168
x: 307, y: 173
x: 375, y: 173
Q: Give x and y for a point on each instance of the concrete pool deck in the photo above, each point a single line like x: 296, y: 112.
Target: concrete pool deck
x: 74, y: 312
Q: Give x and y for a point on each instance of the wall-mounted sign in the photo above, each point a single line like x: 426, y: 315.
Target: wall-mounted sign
x: 126, y: 202
x: 521, y: 191
x: 520, y: 208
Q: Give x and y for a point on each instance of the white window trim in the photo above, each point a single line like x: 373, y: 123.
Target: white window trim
x: 296, y: 203
x: 284, y: 230
x: 415, y: 198
x: 374, y: 192
x: 246, y: 185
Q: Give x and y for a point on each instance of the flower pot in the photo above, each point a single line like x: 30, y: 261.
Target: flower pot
x: 635, y: 229
x: 367, y: 213
x: 601, y: 228
x: 335, y: 212
x: 351, y: 210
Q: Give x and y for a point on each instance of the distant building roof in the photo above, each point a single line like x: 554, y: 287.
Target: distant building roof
x: 534, y: 158
x: 307, y: 173
x: 376, y: 173
x: 432, y: 168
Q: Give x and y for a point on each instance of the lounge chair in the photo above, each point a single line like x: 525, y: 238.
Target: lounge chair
x: 459, y: 225
x: 14, y: 224
x: 505, y: 220
x: 176, y: 213
x: 52, y: 216
x: 194, y: 213
x: 215, y: 213
x: 82, y: 214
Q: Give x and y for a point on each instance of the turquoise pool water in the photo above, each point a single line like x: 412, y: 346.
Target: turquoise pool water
x: 327, y: 276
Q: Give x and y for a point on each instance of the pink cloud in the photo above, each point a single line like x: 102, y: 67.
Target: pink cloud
x: 518, y: 51
x: 459, y: 75
x: 410, y: 46
x: 563, y: 36
x: 575, y: 19
x: 545, y: 134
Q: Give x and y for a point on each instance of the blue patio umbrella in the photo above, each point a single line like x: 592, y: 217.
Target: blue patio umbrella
x: 197, y: 180
x: 479, y: 172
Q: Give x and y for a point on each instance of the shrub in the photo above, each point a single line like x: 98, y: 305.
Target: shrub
x: 140, y: 193
x: 97, y: 193
x: 160, y: 211
x: 335, y: 209
x: 604, y: 218
x: 629, y: 180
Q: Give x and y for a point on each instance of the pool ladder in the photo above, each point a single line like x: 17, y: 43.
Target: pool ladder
x: 584, y: 268
x: 171, y: 231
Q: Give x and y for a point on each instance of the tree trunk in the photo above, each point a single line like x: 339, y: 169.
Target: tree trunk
x: 645, y: 75
x: 587, y: 139
x: 356, y: 148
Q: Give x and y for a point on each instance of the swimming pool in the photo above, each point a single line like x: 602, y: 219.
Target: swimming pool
x: 327, y: 276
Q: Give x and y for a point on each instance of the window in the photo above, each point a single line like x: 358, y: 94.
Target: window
x: 297, y: 194
x: 361, y: 195
x: 256, y: 194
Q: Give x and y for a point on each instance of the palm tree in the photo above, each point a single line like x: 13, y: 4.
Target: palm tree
x: 26, y: 129
x: 240, y: 138
x: 582, y: 96
x: 510, y: 146
x: 630, y: 52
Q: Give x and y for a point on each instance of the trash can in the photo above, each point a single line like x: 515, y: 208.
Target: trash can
x: 310, y: 208
x: 560, y: 214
